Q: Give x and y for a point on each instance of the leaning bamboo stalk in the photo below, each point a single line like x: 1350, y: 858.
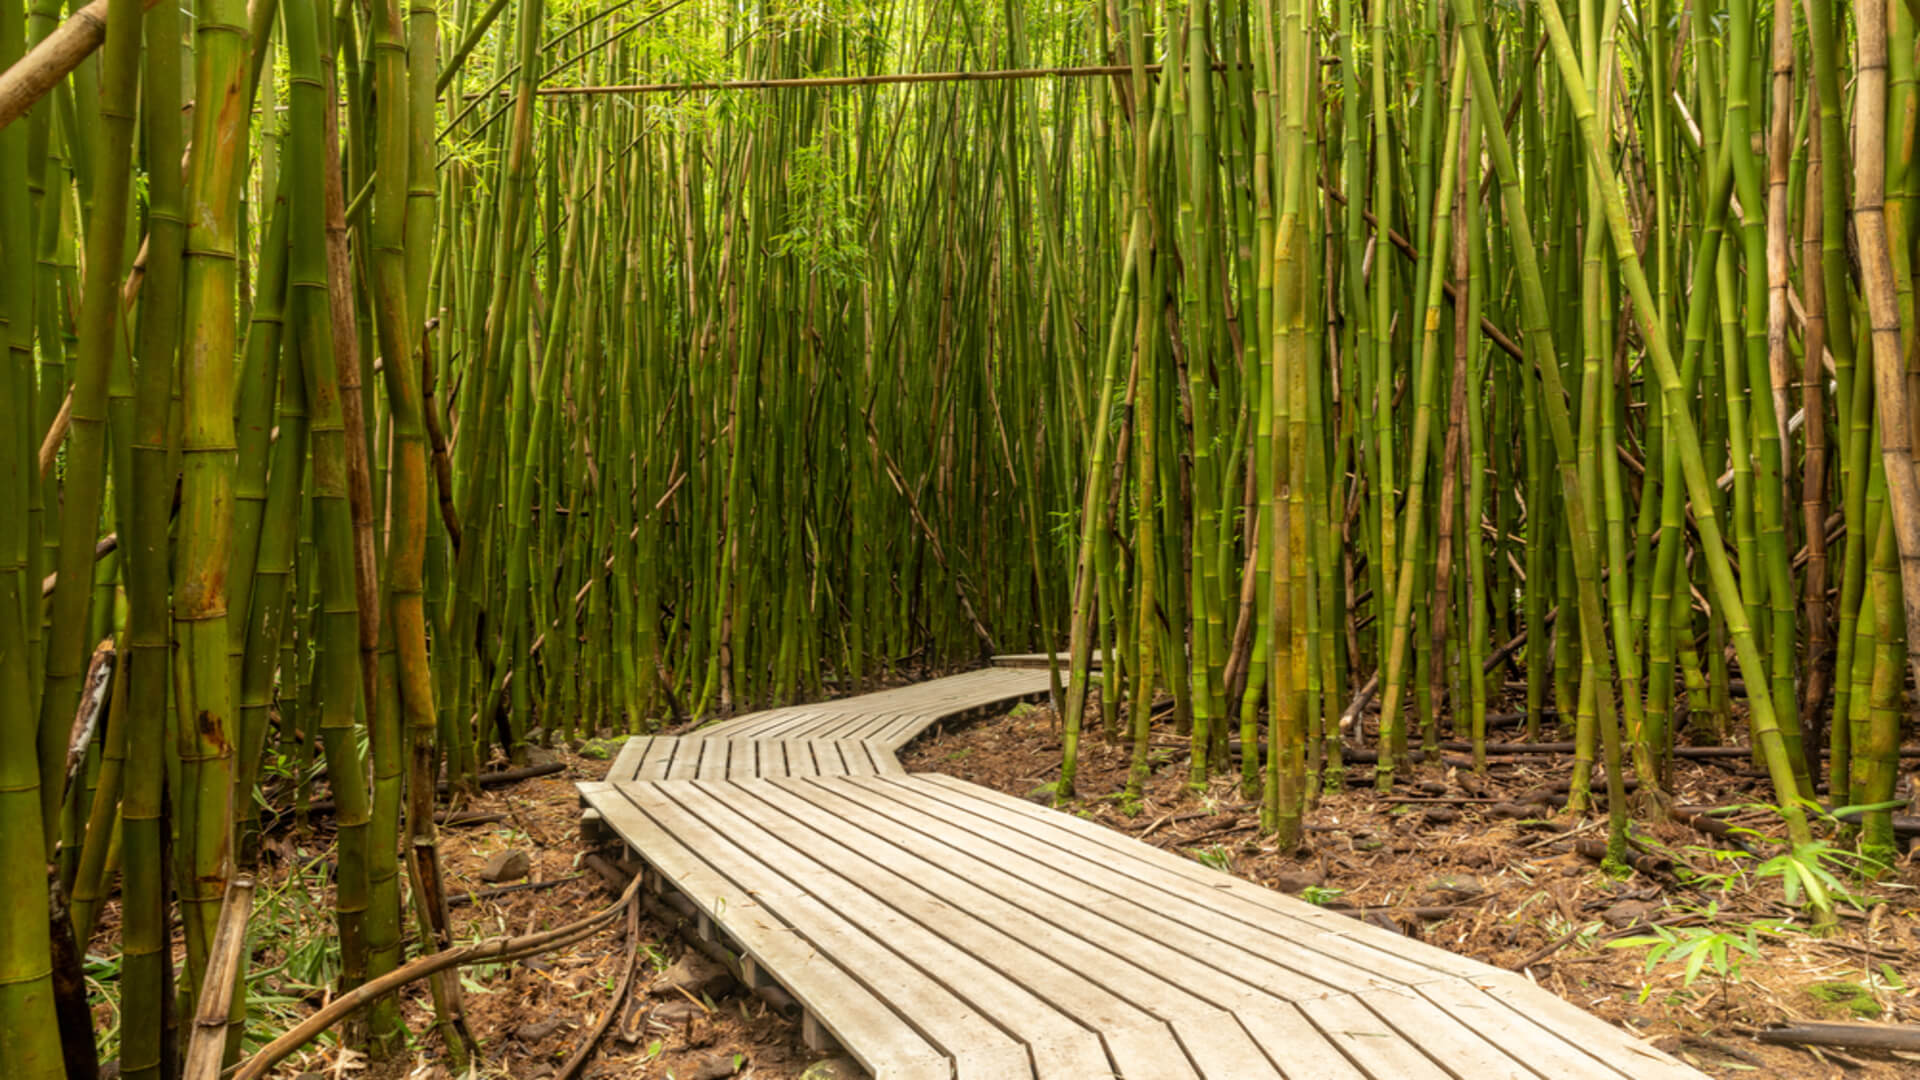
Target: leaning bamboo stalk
x: 206, y: 1047
x: 1877, y: 284
x: 28, y: 79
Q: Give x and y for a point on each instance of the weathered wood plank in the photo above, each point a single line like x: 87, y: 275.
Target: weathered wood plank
x: 1045, y: 957
x: 877, y: 1036
x: 687, y: 755
x: 626, y: 763
x: 1171, y: 936
x: 976, y: 1045
x: 936, y: 928
x: 1552, y: 1056
x: 713, y: 759
x: 854, y: 887
x: 1630, y: 1055
x: 1370, y: 1042
x: 1173, y: 879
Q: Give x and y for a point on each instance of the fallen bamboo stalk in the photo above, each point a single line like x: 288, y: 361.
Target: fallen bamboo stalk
x: 571, y: 1069
x: 474, y: 897
x: 488, y: 951
x: 1904, y: 1037
x: 498, y: 778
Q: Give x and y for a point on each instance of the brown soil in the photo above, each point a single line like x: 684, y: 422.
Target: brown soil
x: 531, y: 1015
x: 1454, y: 861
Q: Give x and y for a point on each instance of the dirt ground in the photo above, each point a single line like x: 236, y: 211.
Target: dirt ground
x: 529, y: 1016
x: 1478, y: 865
x: 1471, y: 864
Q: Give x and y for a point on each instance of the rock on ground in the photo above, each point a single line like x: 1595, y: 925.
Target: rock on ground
x: 697, y: 974
x: 507, y: 865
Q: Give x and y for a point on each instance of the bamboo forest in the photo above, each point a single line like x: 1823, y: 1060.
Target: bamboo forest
x: 1446, y: 467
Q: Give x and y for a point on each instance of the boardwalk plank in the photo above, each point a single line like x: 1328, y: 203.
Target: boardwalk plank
x: 626, y: 763
x: 1551, y: 1055
x: 878, y: 1037
x: 840, y: 877
x: 826, y: 758
x: 1637, y: 1059
x: 950, y: 899
x: 800, y: 758
x: 1458, y: 1048
x: 1370, y: 1042
x: 660, y: 750
x: 978, y: 1047
x: 936, y: 928
x: 686, y: 760
x: 1064, y: 886
x: 1168, y: 877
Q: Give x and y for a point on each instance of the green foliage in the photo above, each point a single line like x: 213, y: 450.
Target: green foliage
x: 1321, y: 895
x: 824, y: 221
x: 1213, y: 856
x: 1699, y: 948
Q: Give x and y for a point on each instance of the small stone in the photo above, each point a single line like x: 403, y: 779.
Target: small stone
x: 540, y: 755
x: 534, y: 1030
x: 593, y: 751
x: 717, y: 1067
x: 1473, y: 857
x: 1628, y: 913
x: 1441, y: 815
x: 575, y: 745
x: 677, y: 1012
x: 507, y: 865
x: 839, y: 1067
x: 1456, y: 885
x: 1298, y: 879
x: 1044, y: 795
x: 696, y: 974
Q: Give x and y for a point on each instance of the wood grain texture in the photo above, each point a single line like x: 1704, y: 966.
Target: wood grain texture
x: 939, y: 929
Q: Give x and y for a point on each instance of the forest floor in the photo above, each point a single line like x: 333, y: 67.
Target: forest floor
x: 529, y: 1016
x: 1488, y: 867
x: 1478, y: 865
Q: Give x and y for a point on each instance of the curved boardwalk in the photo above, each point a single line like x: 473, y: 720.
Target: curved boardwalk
x: 934, y: 928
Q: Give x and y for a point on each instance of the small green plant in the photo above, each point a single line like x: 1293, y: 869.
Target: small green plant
x: 1814, y: 869
x: 1699, y: 949
x: 1213, y: 856
x: 1321, y: 895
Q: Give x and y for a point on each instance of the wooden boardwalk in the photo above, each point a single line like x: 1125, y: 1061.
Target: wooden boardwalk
x: 934, y: 928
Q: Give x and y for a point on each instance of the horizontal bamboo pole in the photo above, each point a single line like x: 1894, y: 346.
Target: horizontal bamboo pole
x: 994, y: 75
